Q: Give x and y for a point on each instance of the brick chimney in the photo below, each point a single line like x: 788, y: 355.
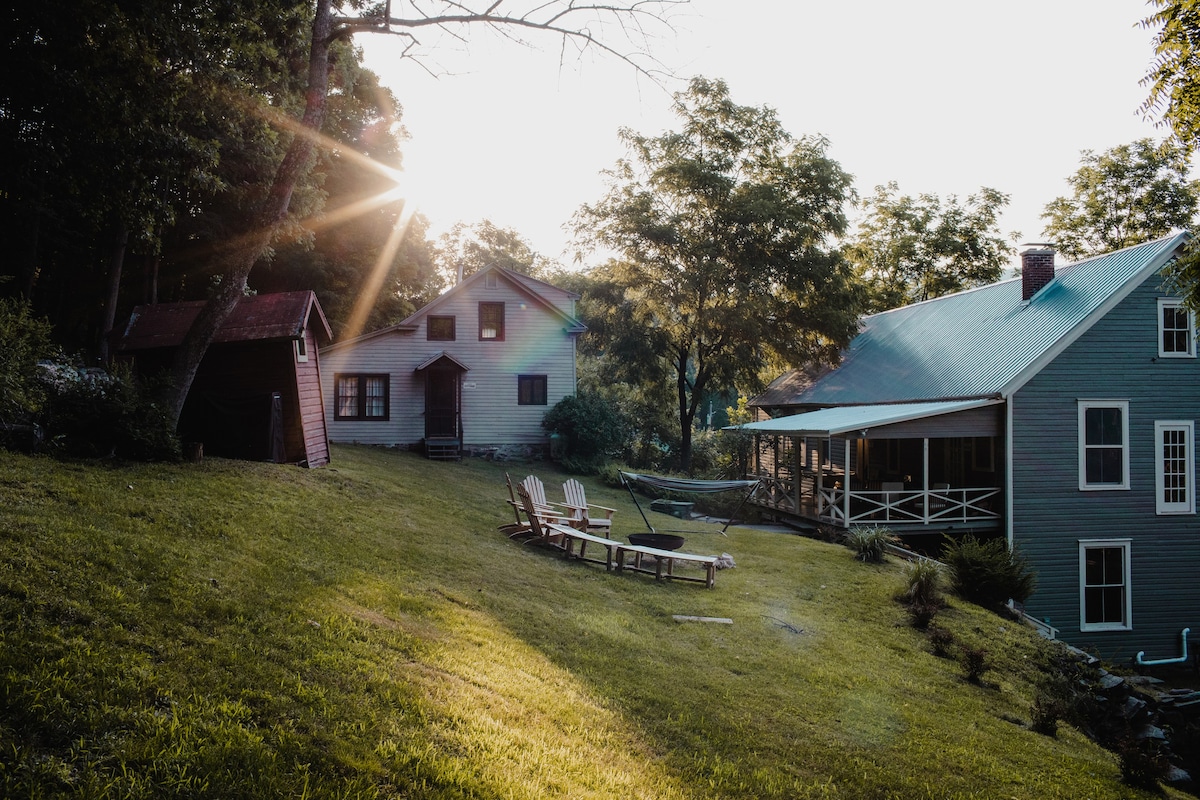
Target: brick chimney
x: 1037, y: 268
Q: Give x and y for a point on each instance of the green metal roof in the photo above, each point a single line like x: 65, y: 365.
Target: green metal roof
x: 848, y: 419
x: 985, y: 342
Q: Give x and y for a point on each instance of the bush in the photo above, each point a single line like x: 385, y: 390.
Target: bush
x: 941, y: 640
x: 975, y: 663
x: 870, y: 543
x: 26, y: 341
x: 987, y: 573
x: 592, y: 431
x: 924, y: 583
x: 95, y: 414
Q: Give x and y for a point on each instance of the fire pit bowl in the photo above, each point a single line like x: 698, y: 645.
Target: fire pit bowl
x: 661, y: 541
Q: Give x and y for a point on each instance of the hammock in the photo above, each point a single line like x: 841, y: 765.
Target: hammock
x: 688, y: 485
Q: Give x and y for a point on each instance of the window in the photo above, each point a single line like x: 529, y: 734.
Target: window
x: 491, y: 280
x: 531, y: 390
x: 439, y: 329
x: 1104, y: 592
x: 1103, y: 444
x: 360, y: 397
x: 1176, y: 330
x: 1174, y: 472
x: 491, y: 321
x: 301, y: 349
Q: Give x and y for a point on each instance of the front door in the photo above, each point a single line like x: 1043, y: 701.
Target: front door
x: 441, y: 402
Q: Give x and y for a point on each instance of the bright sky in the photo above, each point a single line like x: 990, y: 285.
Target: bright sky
x: 941, y: 96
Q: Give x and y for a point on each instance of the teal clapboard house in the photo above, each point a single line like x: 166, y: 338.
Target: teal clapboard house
x: 1057, y: 410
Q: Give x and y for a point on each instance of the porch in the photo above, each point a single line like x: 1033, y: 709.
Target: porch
x: 921, y: 473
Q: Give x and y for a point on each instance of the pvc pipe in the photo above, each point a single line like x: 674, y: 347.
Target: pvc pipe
x: 1141, y: 662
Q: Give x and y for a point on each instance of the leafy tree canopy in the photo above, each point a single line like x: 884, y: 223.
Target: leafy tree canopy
x: 726, y: 262
x: 908, y: 249
x: 471, y: 247
x: 1121, y: 197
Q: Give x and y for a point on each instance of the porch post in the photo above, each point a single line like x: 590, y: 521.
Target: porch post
x: 846, y: 484
x: 820, y: 480
x: 925, y: 475
x: 797, y: 474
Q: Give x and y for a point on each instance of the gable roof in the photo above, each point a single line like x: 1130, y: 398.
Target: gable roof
x: 984, y: 342
x: 540, y: 292
x: 263, y: 317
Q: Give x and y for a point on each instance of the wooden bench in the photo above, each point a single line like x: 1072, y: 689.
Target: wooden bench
x: 667, y: 559
x: 573, y: 535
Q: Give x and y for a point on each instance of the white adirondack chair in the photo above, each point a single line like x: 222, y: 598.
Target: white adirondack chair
x: 592, y: 517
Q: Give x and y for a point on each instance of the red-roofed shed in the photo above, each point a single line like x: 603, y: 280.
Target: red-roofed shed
x: 257, y: 393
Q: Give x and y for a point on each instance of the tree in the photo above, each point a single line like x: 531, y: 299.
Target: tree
x: 1174, y: 85
x: 270, y: 215
x: 1124, y: 196
x: 466, y: 249
x: 726, y: 264
x: 910, y: 249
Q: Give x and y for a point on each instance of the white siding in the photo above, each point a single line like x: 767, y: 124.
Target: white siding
x: 536, y: 342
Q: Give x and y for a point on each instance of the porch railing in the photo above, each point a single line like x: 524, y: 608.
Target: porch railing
x: 875, y: 507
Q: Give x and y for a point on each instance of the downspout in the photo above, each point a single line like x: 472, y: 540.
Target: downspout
x: 1142, y: 662
x: 1008, y: 471
x: 925, y: 475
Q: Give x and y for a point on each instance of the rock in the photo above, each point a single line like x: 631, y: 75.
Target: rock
x: 1109, y: 681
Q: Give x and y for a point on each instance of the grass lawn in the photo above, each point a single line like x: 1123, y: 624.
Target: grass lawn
x: 233, y: 629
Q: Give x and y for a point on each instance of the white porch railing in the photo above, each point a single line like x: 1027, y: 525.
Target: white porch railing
x: 909, y: 506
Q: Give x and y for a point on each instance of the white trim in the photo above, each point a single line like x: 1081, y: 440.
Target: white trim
x: 1083, y: 407
x: 1161, y: 506
x: 1126, y: 582
x: 300, y: 348
x: 1174, y: 302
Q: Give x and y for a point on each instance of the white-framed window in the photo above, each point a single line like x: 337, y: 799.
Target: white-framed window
x: 1174, y: 472
x: 1176, y: 329
x: 301, y: 347
x: 1103, y: 444
x: 1105, y: 597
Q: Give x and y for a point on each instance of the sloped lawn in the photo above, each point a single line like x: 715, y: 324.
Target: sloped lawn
x: 246, y: 630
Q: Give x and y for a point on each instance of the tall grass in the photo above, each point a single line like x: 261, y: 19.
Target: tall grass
x: 247, y: 630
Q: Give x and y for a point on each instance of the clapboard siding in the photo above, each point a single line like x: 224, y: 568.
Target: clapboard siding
x: 1115, y: 360
x: 537, y: 341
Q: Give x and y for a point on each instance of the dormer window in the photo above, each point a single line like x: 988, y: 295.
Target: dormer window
x: 1176, y: 329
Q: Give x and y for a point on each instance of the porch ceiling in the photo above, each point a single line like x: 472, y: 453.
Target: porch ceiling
x: 858, y: 419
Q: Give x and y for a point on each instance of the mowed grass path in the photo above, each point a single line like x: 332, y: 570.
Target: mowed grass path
x: 231, y: 629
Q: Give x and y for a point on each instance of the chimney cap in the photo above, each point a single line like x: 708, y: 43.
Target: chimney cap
x: 1036, y: 247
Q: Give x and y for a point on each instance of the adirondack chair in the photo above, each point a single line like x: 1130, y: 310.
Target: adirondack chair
x: 588, y: 517
x: 518, y: 527
x: 537, y: 493
x: 539, y: 524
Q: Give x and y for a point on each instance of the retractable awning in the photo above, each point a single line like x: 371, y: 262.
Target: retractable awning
x: 848, y: 419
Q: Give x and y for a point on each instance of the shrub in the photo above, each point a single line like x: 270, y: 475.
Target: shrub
x: 593, y: 431
x: 975, y: 663
x: 1143, y: 764
x: 26, y: 341
x: 870, y: 543
x: 924, y: 583
x: 922, y: 614
x: 92, y: 413
x: 941, y: 640
x: 987, y: 572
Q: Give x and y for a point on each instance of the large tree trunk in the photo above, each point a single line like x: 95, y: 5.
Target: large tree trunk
x: 237, y: 261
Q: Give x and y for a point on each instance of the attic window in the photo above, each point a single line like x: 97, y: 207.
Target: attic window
x: 491, y: 322
x: 1176, y: 329
x: 440, y: 329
